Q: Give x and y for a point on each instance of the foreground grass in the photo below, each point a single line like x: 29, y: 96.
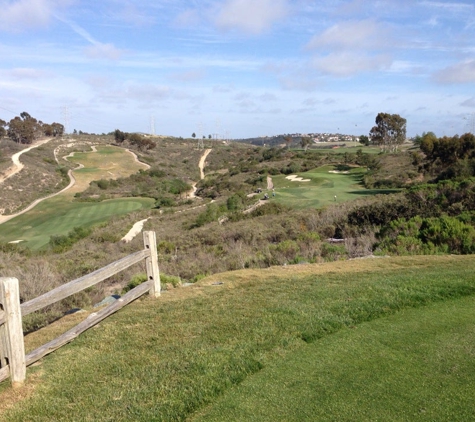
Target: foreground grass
x: 168, y: 358
x: 415, y: 365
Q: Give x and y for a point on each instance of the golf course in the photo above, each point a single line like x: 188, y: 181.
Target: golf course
x: 59, y: 214
x: 322, y: 186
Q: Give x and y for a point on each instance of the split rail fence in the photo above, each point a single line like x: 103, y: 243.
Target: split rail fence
x: 13, y: 360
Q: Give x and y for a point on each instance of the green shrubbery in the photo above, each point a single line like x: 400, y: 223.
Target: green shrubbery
x: 427, y: 236
x: 60, y: 243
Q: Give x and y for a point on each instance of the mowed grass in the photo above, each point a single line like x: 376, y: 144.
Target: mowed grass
x: 417, y: 365
x: 306, y: 331
x: 59, y: 215
x: 323, y: 187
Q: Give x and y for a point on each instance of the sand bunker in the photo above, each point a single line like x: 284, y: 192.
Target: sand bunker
x: 338, y: 172
x: 295, y: 178
x: 134, y: 231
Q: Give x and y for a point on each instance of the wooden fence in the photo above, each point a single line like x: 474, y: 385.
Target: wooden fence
x: 13, y: 360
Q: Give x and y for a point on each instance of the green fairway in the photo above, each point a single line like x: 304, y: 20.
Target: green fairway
x: 326, y: 185
x: 416, y: 365
x: 59, y: 215
x: 56, y: 217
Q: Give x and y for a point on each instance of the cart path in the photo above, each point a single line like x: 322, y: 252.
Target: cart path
x: 17, y: 164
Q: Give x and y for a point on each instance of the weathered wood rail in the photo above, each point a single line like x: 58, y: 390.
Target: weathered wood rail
x: 13, y: 361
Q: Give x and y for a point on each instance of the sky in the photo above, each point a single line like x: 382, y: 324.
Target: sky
x: 239, y: 68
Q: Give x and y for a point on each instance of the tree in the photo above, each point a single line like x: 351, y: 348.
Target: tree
x: 3, y: 131
x: 209, y: 136
x: 389, y: 132
x: 58, y: 129
x: 288, y: 141
x: 427, y: 142
x: 119, y: 136
x: 305, y: 142
x: 24, y: 129
x: 193, y: 135
x: 364, y: 140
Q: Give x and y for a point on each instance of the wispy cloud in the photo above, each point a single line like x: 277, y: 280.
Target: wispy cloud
x: 360, y: 35
x: 250, y: 16
x: 457, y: 7
x: 97, y: 50
x: 347, y: 63
x: 20, y: 16
x: 463, y: 72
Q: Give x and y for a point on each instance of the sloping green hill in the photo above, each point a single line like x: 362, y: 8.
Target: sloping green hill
x: 170, y: 358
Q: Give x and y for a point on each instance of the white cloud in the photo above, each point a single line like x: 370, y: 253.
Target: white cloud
x: 18, y: 16
x: 360, y: 35
x: 349, y: 63
x: 103, y: 51
x: 455, y: 7
x: 250, y: 16
x: 188, y: 75
x: 26, y: 73
x: 468, y: 103
x: 463, y: 72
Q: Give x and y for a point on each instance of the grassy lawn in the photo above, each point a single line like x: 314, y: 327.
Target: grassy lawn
x: 322, y: 188
x: 357, y: 340
x: 56, y: 216
x: 416, y: 365
x: 59, y: 215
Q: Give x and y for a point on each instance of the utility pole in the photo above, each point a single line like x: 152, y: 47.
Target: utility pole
x: 152, y: 125
x: 66, y: 118
x: 200, y: 136
x: 471, y: 123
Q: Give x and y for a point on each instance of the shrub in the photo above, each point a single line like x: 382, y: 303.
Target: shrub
x: 136, y: 280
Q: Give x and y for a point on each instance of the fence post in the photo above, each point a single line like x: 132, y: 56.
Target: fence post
x: 151, y: 262
x: 12, y: 331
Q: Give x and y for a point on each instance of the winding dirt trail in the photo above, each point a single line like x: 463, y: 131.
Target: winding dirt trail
x: 201, y: 166
x: 17, y: 164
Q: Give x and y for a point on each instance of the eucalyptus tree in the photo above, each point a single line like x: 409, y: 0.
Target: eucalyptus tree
x: 389, y: 132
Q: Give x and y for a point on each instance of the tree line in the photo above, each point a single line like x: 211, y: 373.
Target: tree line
x: 25, y: 129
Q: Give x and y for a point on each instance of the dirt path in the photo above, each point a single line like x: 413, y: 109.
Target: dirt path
x: 270, y: 185
x: 17, y: 165
x: 201, y: 164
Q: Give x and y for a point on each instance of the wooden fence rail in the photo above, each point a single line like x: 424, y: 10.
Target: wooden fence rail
x: 13, y: 361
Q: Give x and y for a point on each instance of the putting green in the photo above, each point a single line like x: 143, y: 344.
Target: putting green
x: 59, y: 215
x: 325, y: 185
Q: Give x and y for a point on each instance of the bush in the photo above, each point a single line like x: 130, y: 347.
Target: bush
x: 427, y: 236
x: 136, y: 280
x: 59, y: 243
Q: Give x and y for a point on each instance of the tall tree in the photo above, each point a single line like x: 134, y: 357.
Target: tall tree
x: 305, y: 142
x: 24, y: 129
x: 389, y: 132
x: 288, y: 141
x: 3, y: 131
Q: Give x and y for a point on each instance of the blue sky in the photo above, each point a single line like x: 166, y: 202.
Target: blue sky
x: 239, y: 68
